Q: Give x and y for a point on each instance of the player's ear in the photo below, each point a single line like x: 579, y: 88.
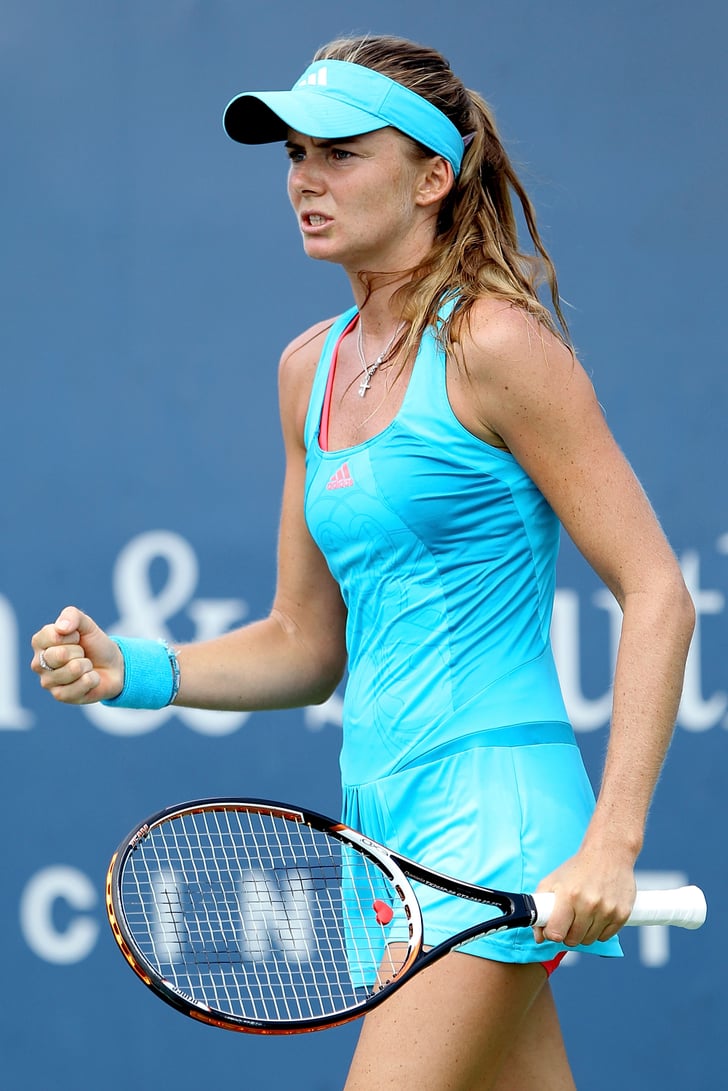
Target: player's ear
x: 435, y: 181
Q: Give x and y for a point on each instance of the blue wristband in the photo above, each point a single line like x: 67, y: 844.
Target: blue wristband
x: 151, y: 674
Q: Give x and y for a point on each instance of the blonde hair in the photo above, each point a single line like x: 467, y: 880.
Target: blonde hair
x: 476, y: 250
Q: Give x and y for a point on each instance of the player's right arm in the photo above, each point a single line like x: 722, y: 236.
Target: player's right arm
x: 295, y: 656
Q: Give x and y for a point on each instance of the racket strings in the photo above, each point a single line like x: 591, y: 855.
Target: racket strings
x: 259, y: 916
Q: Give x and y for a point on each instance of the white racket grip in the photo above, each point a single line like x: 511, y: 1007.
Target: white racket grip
x: 684, y: 907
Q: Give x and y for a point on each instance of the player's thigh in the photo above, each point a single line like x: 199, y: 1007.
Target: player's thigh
x: 537, y: 1060
x: 448, y: 1029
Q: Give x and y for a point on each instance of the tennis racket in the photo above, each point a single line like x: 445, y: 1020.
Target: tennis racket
x: 263, y: 917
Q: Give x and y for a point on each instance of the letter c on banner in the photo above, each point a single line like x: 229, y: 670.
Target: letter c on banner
x: 45, y: 939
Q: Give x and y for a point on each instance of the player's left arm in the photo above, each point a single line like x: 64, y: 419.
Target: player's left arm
x: 534, y: 396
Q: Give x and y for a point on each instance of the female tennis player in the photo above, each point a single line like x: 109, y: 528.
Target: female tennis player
x: 437, y: 435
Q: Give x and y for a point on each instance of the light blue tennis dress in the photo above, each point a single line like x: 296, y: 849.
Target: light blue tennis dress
x: 457, y: 750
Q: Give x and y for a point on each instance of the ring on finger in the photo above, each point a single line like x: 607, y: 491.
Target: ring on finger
x: 44, y: 662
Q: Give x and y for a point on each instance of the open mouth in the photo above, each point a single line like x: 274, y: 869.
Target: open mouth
x: 314, y: 219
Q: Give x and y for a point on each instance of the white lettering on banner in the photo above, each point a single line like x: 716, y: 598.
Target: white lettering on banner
x: 77, y: 942
x: 12, y: 716
x: 316, y: 717
x: 696, y: 712
x: 166, y: 936
x: 586, y: 715
x: 142, y: 612
x: 264, y: 906
x: 37, y: 904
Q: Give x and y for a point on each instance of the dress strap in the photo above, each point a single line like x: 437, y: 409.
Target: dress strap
x: 323, y: 377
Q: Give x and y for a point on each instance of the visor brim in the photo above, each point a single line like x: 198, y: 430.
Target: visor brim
x: 264, y: 118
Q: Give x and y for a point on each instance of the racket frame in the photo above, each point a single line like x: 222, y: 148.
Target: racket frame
x: 517, y: 910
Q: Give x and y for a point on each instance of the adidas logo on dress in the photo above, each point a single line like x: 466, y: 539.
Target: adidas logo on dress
x: 342, y: 479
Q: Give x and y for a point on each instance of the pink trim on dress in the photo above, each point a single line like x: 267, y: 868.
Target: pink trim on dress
x: 326, y: 407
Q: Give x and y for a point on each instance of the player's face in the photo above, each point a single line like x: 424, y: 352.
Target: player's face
x: 356, y: 200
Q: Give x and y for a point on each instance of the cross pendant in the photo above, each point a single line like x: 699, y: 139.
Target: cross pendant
x: 364, y: 386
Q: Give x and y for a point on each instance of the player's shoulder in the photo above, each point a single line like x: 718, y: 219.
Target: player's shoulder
x: 296, y: 373
x: 500, y: 334
x: 303, y: 351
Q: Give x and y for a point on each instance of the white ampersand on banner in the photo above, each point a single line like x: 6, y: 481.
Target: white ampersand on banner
x: 145, y: 612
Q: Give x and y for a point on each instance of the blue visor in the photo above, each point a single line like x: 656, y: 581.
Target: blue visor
x: 335, y: 99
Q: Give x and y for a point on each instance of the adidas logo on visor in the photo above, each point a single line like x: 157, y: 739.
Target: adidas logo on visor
x: 315, y: 79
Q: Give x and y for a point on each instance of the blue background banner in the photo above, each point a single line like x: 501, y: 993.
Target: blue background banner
x: 150, y: 276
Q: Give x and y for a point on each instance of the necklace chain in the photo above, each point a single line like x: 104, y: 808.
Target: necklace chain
x: 366, y: 380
